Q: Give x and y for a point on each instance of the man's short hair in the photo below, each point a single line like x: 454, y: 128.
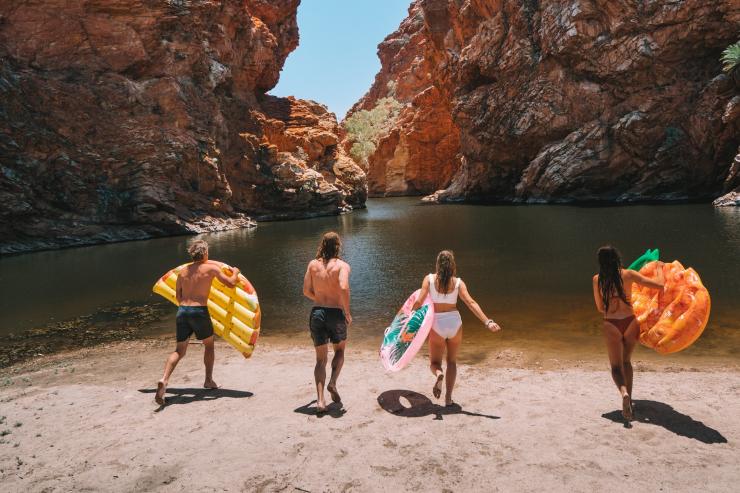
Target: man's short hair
x: 198, y: 250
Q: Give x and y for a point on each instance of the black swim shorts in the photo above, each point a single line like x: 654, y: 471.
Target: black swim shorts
x: 327, y: 324
x: 193, y: 319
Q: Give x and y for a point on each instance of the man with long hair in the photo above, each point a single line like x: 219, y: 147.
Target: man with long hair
x: 326, y: 283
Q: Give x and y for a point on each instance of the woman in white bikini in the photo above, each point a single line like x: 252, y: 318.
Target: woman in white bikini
x: 444, y: 288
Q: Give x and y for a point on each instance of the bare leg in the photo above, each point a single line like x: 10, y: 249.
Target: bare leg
x: 209, y: 356
x: 336, y: 366
x: 615, y: 348
x: 169, y: 367
x: 319, y: 374
x: 630, y: 340
x: 436, y: 352
x: 452, y: 347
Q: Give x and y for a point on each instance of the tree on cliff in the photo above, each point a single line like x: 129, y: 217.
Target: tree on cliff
x: 365, y: 127
x: 731, y: 60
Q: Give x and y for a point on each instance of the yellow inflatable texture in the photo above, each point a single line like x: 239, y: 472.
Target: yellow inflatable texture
x: 235, y: 312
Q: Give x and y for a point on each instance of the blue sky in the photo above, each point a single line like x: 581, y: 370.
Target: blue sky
x: 336, y: 60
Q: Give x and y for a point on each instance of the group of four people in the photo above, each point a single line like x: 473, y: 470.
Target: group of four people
x: 326, y: 284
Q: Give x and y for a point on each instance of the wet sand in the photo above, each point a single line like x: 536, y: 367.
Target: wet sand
x: 86, y: 420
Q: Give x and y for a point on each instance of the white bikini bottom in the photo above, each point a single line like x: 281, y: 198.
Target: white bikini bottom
x: 446, y: 324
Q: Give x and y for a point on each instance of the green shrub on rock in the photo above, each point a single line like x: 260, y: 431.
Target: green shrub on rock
x: 365, y: 127
x: 731, y: 58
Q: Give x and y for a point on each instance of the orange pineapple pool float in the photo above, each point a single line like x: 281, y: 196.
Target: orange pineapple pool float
x: 671, y: 319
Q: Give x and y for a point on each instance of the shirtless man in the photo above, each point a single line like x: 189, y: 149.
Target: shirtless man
x: 193, y: 286
x: 326, y: 283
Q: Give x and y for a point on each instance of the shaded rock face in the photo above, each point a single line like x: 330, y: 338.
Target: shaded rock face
x: 731, y: 198
x: 571, y: 100
x: 123, y: 120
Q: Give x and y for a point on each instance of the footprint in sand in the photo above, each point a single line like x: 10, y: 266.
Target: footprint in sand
x: 298, y: 448
x: 385, y: 471
x: 388, y: 443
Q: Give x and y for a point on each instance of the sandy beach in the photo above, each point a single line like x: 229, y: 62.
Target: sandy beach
x: 86, y: 420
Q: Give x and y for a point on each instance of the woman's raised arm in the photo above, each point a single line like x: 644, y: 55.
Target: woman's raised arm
x: 423, y: 294
x: 476, y: 309
x: 656, y: 283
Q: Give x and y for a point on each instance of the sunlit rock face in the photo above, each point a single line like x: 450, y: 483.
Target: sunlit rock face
x: 130, y: 119
x: 561, y: 101
x: 420, y: 154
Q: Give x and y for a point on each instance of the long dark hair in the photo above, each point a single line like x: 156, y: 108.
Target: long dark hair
x: 330, y: 247
x: 610, y: 276
x: 446, y: 268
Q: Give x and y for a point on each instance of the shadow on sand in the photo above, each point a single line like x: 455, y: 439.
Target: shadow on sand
x: 334, y: 409
x: 186, y: 396
x: 419, y: 406
x: 661, y: 414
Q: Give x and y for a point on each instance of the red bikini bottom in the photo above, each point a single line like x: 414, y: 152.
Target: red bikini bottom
x: 622, y: 324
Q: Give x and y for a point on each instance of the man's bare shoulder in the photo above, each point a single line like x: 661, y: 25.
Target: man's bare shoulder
x: 343, y: 265
x: 210, y: 267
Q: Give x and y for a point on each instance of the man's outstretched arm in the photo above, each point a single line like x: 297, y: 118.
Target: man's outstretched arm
x: 231, y: 280
x: 308, y: 285
x: 344, y: 291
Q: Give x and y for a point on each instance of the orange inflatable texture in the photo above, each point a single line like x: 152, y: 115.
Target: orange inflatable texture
x: 673, y: 319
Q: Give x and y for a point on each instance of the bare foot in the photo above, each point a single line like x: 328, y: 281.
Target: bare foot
x: 449, y: 402
x: 627, y: 407
x: 334, y: 394
x: 210, y: 384
x: 320, y: 408
x: 437, y: 389
x: 159, y: 396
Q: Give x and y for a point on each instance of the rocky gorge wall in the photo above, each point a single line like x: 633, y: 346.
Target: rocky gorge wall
x: 421, y: 152
x: 559, y: 101
x: 139, y: 118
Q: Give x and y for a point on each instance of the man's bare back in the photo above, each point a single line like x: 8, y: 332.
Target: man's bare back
x: 194, y: 282
x: 327, y: 284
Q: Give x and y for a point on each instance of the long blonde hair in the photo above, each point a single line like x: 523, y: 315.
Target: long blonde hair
x: 330, y: 247
x: 446, y: 270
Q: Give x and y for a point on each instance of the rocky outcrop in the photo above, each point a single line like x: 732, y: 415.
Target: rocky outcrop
x: 731, y: 198
x: 130, y: 119
x: 568, y: 101
x: 420, y: 153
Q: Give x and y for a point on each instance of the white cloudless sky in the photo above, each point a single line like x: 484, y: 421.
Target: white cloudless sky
x: 336, y: 60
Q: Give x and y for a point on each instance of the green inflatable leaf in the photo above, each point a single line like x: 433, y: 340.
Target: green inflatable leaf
x: 392, y: 337
x: 648, y: 256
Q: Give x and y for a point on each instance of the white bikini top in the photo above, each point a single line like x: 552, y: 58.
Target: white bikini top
x: 449, y: 298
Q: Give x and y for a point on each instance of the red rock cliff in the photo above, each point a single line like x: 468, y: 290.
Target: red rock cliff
x: 420, y: 154
x: 561, y: 101
x: 129, y: 119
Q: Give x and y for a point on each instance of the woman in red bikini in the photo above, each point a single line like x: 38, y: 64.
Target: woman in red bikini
x: 612, y: 286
